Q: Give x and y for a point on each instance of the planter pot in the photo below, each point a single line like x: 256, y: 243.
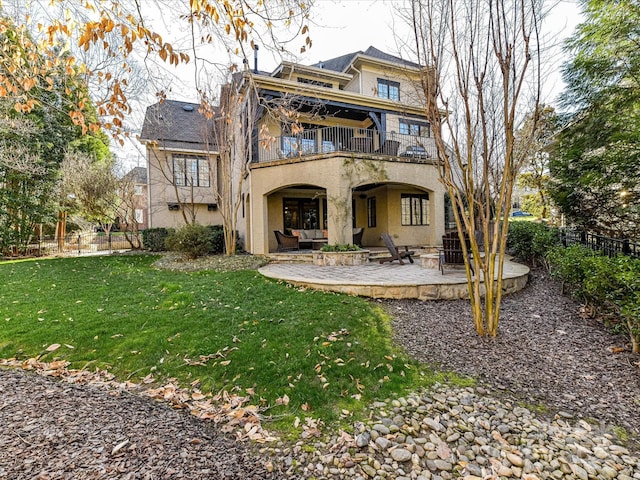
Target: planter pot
x: 324, y: 259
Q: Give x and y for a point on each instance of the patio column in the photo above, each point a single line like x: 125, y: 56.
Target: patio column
x: 259, y: 225
x: 339, y: 213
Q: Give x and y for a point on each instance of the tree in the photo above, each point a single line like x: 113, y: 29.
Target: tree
x: 36, y: 128
x: 535, y: 173
x: 135, y: 30
x: 596, y: 181
x: 232, y: 133
x: 130, y: 201
x: 94, y: 187
x: 482, y: 70
x: 25, y: 181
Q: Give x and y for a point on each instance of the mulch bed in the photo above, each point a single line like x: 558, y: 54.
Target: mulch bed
x: 55, y: 430
x: 546, y: 353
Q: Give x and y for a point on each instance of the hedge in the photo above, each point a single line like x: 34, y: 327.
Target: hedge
x: 608, y: 284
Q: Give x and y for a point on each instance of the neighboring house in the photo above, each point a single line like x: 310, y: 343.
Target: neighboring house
x: 136, y: 202
x: 340, y: 144
x: 181, y: 166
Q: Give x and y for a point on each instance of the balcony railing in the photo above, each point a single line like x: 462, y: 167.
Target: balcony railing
x: 349, y: 140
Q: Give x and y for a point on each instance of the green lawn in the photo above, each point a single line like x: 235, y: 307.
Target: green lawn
x: 235, y: 329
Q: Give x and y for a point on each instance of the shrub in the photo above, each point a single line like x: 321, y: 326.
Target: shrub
x: 568, y: 265
x: 192, y: 241
x: 611, y: 285
x: 340, y: 248
x: 217, y: 238
x: 530, y: 241
x: 153, y: 239
x: 628, y: 296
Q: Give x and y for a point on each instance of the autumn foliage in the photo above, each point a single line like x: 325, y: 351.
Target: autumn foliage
x: 39, y: 51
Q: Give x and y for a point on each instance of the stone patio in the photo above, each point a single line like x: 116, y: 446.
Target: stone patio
x: 389, y: 280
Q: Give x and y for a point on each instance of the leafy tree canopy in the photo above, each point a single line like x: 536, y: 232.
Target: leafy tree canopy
x: 596, y: 181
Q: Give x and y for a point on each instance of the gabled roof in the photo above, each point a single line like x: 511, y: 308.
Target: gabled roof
x: 343, y: 62
x: 137, y: 174
x: 175, y: 124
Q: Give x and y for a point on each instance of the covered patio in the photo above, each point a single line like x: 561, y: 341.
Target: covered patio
x: 389, y: 280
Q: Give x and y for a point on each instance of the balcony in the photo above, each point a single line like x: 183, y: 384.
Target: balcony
x: 350, y: 141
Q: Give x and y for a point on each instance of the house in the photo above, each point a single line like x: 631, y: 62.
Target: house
x: 134, y: 198
x: 340, y: 144
x: 181, y: 165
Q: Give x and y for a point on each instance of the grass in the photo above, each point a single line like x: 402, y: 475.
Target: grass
x: 236, y: 330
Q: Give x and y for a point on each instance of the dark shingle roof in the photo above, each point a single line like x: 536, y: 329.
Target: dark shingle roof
x: 177, y: 124
x: 340, y: 64
x: 137, y: 174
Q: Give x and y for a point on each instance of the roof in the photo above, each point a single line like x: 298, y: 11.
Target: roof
x: 137, y: 174
x: 343, y: 62
x: 177, y: 124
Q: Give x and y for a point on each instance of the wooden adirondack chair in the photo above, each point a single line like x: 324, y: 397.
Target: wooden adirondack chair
x: 451, y: 253
x: 396, y: 253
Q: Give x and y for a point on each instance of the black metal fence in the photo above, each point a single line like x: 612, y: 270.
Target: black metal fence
x: 348, y: 139
x: 80, y: 244
x: 606, y: 245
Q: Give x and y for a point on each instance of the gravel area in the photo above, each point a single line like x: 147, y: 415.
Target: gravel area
x: 545, y: 353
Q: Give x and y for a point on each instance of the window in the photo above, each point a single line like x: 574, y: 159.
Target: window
x: 415, y: 209
x: 414, y: 128
x: 191, y: 170
x: 301, y: 213
x: 371, y: 212
x: 388, y: 89
x: 137, y: 189
x: 139, y: 215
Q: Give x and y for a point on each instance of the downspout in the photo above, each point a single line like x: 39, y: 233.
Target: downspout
x: 149, y: 216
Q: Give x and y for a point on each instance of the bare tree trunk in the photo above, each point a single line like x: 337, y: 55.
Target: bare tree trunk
x: 478, y: 57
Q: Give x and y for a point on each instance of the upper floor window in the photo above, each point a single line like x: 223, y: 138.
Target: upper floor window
x: 137, y: 190
x: 191, y: 171
x: 388, y: 89
x: 420, y: 129
x: 414, y: 209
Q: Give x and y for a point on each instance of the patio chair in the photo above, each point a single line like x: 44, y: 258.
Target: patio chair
x: 451, y: 252
x: 396, y: 253
x: 286, y: 242
x: 357, y: 236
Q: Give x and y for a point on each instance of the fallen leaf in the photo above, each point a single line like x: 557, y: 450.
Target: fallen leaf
x: 53, y: 347
x: 614, y: 349
x: 305, y: 406
x: 118, y: 447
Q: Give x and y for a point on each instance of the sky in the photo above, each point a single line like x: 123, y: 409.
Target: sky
x: 339, y: 27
